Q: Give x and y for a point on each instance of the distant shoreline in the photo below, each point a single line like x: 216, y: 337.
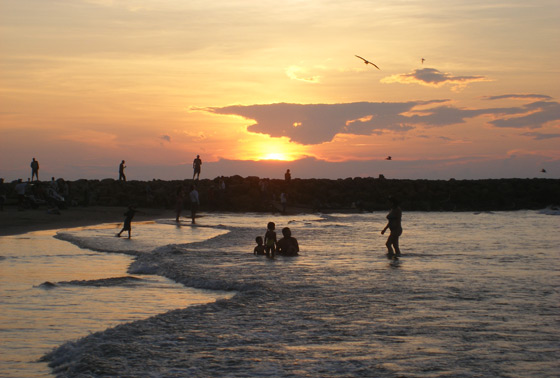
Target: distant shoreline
x: 14, y: 222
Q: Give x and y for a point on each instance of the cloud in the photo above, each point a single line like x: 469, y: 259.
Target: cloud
x: 536, y: 115
x: 434, y: 78
x: 301, y: 74
x: 519, y: 97
x: 310, y: 124
x: 318, y: 123
x: 541, y: 136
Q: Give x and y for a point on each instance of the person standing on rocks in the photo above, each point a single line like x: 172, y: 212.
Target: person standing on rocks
x: 34, y: 169
x: 122, y: 177
x: 196, y: 167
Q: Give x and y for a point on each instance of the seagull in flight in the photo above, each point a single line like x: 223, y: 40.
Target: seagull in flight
x: 388, y: 158
x: 367, y: 61
x: 423, y: 60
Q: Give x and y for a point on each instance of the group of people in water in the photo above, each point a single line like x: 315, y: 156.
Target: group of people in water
x: 270, y: 246
x: 288, y: 245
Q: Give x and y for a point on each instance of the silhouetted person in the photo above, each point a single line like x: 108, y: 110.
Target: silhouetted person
x: 2, y: 194
x: 34, y: 169
x: 259, y: 249
x: 179, y: 202
x: 20, y: 189
x: 283, y: 202
x: 288, y: 245
x: 195, y: 202
x: 122, y: 177
x: 394, y: 225
x: 54, y: 185
x: 287, y: 176
x: 128, y: 221
x: 196, y: 167
x: 270, y: 240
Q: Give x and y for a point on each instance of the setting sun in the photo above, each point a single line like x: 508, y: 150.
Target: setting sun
x: 275, y: 156
x: 263, y: 147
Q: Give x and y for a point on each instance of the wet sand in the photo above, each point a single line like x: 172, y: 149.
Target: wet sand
x: 14, y: 222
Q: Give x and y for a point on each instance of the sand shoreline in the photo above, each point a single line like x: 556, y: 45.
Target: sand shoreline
x: 14, y: 222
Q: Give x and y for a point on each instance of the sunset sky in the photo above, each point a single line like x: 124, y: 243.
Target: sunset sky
x: 85, y: 84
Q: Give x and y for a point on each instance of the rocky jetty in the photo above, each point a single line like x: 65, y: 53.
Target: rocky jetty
x: 254, y: 194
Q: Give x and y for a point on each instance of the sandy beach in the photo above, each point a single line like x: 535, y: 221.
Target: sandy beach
x: 13, y: 222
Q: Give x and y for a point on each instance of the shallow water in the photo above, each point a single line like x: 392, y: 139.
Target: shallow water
x: 41, y: 311
x: 473, y: 295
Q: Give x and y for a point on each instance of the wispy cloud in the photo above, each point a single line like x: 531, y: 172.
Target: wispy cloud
x: 535, y: 115
x: 519, y: 97
x: 541, y: 136
x: 432, y: 77
x: 302, y: 74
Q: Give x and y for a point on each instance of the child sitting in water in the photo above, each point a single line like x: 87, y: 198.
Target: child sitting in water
x: 259, y: 249
x: 270, y: 240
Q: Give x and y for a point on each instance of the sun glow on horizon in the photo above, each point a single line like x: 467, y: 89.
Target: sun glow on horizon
x: 275, y: 156
x: 264, y: 148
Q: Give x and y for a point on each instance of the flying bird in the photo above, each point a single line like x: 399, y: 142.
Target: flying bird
x: 423, y: 60
x: 543, y: 170
x: 388, y: 158
x: 367, y: 62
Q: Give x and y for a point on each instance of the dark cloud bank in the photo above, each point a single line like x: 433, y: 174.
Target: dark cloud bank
x: 310, y: 124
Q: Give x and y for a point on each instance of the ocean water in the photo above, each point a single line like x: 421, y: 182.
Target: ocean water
x: 473, y: 295
x: 52, y: 291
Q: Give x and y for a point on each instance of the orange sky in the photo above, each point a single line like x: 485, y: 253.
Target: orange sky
x: 85, y: 84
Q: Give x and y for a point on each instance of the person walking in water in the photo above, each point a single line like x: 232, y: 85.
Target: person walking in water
x: 196, y: 167
x: 394, y: 225
x: 128, y: 221
x: 122, y: 177
x: 34, y: 169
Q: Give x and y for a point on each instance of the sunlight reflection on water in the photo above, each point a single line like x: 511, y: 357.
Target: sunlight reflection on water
x: 36, y: 318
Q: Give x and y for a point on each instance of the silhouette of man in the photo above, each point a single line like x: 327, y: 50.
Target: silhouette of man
x: 287, y: 176
x: 34, y: 169
x: 122, y: 177
x: 196, y: 167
